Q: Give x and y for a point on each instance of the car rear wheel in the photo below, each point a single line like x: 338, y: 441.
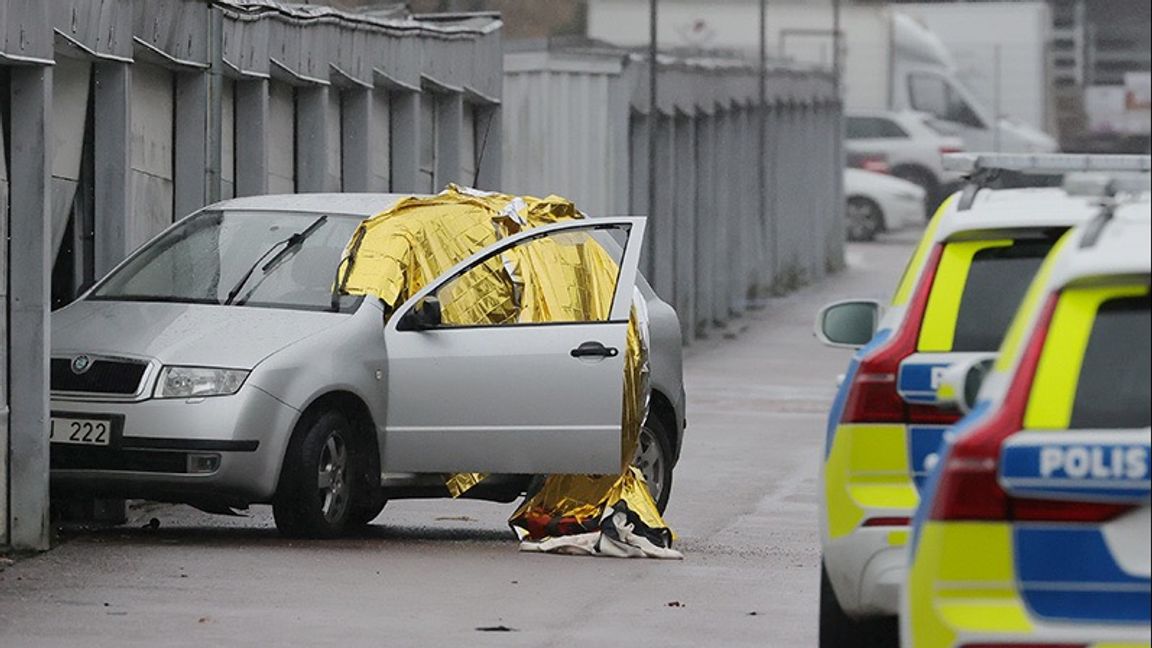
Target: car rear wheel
x: 838, y: 630
x: 654, y: 459
x: 865, y: 220
x: 318, y: 489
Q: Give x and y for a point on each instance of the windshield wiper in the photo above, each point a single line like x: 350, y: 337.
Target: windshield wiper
x: 291, y: 244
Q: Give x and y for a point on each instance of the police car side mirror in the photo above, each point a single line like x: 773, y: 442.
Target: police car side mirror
x: 960, y: 384
x: 848, y: 324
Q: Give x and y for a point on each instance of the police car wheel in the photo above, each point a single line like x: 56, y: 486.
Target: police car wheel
x: 838, y: 630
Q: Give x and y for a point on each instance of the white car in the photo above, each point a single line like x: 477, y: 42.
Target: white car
x: 911, y: 142
x: 876, y: 203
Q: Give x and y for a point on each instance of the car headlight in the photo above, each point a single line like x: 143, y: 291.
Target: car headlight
x: 194, y: 382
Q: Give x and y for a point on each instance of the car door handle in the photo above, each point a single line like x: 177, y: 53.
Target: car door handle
x: 594, y: 350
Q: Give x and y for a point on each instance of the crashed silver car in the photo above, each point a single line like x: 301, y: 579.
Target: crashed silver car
x: 217, y: 367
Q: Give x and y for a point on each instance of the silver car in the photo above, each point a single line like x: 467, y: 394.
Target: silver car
x: 216, y: 367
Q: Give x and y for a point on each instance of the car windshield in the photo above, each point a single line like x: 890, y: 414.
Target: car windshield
x: 205, y: 258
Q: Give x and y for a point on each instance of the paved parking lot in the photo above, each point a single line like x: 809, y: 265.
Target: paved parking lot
x: 449, y: 573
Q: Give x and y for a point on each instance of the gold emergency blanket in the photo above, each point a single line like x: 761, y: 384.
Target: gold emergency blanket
x: 396, y: 253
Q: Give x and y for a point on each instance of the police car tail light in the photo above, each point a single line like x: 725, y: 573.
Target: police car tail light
x: 968, y: 488
x: 1031, y: 510
x: 872, y: 397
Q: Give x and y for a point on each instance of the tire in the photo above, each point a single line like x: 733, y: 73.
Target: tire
x: 318, y: 489
x: 865, y: 219
x: 364, y: 512
x: 654, y: 459
x: 924, y: 179
x: 838, y: 630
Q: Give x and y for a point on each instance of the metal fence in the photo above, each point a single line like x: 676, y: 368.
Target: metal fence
x: 577, y: 123
x: 120, y: 116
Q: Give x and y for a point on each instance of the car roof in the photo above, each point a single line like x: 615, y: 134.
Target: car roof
x: 1122, y: 246
x: 1006, y: 209
x: 355, y: 204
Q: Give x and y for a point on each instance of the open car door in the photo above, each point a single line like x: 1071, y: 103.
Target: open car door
x: 476, y: 383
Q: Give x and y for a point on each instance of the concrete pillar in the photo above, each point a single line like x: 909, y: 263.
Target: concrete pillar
x: 449, y: 130
x: 311, y: 139
x: 639, y: 131
x: 406, y: 138
x: 738, y: 223
x: 662, y: 217
x: 685, y: 213
x: 836, y: 174
x: 705, y: 222
x: 817, y: 190
x: 113, y: 162
x: 251, y: 128
x: 489, y: 147
x: 191, y: 167
x: 357, y: 136
x: 722, y: 276
x: 768, y: 274
x: 29, y: 302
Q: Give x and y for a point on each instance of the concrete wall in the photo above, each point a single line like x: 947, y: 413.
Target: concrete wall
x: 577, y: 123
x: 121, y: 116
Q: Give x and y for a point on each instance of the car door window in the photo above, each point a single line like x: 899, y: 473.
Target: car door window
x: 872, y: 128
x: 558, y: 277
x: 1116, y: 374
x: 976, y: 291
x: 933, y: 94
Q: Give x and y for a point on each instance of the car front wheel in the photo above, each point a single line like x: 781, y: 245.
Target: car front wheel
x: 318, y: 487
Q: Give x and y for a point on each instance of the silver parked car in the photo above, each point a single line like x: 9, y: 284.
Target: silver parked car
x: 216, y: 367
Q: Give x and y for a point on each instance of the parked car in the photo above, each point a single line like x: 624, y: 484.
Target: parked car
x: 216, y: 367
x: 911, y: 143
x: 878, y: 203
x: 1035, y: 525
x: 955, y: 299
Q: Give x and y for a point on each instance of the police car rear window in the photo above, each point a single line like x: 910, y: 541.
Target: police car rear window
x: 997, y: 281
x: 1116, y: 376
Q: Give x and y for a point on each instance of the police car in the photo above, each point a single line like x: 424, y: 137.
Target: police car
x: 954, y: 302
x: 1034, y: 530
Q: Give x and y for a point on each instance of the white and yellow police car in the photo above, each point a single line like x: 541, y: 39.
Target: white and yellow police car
x: 1034, y: 530
x: 955, y: 301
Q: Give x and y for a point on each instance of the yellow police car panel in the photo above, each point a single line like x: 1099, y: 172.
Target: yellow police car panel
x: 1035, y: 529
x: 956, y: 300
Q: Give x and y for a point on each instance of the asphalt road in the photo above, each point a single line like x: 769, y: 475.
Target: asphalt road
x: 448, y: 573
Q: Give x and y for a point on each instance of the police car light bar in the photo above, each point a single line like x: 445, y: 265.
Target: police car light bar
x: 1046, y: 163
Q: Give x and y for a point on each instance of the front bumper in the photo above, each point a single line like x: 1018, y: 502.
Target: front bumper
x: 157, y: 444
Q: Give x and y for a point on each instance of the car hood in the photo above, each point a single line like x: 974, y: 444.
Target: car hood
x: 183, y: 334
x: 1026, y: 139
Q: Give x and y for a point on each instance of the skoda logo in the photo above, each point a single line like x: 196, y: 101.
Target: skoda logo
x: 81, y: 364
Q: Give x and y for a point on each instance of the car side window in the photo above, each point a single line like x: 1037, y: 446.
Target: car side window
x: 565, y: 276
x: 933, y: 94
x: 872, y: 128
x: 1116, y: 373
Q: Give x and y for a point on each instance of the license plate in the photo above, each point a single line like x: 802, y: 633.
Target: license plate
x: 80, y: 431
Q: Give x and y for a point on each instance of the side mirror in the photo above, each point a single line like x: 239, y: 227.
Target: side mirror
x: 848, y: 324
x: 421, y: 317
x: 960, y: 384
